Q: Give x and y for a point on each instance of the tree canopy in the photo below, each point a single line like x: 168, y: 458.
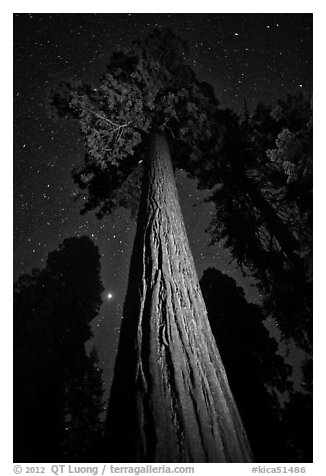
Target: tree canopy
x: 57, y: 386
x: 258, y: 168
x: 147, y: 87
x: 263, y: 202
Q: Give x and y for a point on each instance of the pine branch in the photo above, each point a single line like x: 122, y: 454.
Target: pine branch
x: 117, y: 126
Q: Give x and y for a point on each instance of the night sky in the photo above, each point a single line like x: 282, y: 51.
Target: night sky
x: 251, y: 57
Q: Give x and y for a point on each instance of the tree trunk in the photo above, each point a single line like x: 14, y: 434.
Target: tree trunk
x: 170, y: 398
x: 287, y: 241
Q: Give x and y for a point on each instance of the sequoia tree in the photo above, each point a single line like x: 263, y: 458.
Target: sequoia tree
x: 57, y: 387
x: 261, y: 179
x: 170, y: 398
x: 245, y: 343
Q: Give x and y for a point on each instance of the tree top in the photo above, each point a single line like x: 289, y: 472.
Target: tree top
x: 147, y: 87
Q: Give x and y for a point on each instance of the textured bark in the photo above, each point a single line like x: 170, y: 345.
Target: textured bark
x: 170, y: 398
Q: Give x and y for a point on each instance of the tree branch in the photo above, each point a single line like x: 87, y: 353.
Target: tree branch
x: 117, y: 126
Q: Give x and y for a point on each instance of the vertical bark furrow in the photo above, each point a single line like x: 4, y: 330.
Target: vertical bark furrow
x: 179, y: 406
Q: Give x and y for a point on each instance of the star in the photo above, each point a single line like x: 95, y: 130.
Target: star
x: 48, y: 201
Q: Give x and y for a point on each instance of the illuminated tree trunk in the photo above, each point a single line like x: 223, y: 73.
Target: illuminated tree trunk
x: 170, y: 398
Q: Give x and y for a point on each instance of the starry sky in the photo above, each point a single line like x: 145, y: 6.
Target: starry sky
x: 251, y: 57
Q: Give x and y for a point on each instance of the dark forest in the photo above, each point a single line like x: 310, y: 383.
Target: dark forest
x: 209, y: 363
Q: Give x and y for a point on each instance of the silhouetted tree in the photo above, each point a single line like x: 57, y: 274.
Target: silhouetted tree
x: 297, y: 419
x: 170, y: 398
x: 53, y: 309
x: 264, y: 207
x: 83, y: 410
x: 264, y: 215
x: 263, y: 204
x: 256, y: 372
